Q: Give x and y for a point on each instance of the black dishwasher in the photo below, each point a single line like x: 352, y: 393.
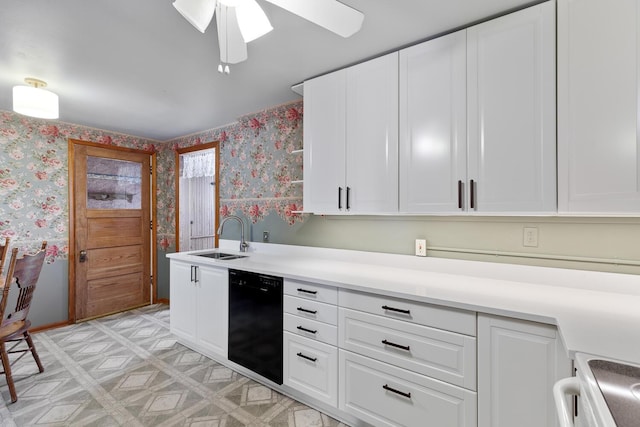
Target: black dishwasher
x: 255, y: 323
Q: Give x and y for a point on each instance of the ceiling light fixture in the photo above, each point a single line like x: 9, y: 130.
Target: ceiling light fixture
x: 34, y: 101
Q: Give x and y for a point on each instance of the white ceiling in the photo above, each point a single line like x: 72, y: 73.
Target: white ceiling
x: 138, y: 67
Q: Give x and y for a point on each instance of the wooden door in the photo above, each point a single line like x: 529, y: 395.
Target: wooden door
x: 110, y: 230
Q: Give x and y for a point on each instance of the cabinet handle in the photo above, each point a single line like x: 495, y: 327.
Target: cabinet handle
x: 472, y: 194
x: 191, y: 279
x: 348, y: 201
x: 339, y: 198
x: 398, y: 310
x: 392, y: 344
x: 307, y: 311
x: 393, y: 390
x: 459, y: 194
x: 311, y: 331
x: 313, y: 359
x: 306, y: 291
x: 194, y: 274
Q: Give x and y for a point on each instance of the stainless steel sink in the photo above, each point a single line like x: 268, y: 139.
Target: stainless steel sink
x: 620, y: 386
x: 221, y: 256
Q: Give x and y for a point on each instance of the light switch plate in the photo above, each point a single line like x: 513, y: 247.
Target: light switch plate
x: 421, y: 247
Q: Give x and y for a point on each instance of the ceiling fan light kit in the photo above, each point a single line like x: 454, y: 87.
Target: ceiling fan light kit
x: 242, y: 21
x: 34, y: 101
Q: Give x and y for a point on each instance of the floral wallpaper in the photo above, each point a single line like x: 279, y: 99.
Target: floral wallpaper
x: 34, y: 179
x: 258, y: 171
x: 259, y: 167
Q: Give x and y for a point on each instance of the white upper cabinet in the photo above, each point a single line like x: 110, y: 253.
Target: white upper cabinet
x: 598, y: 106
x: 465, y: 123
x: 511, y: 113
x: 324, y: 142
x: 433, y: 128
x: 372, y: 136
x: 351, y: 139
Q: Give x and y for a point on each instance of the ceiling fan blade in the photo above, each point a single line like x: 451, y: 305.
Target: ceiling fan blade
x: 330, y: 14
x: 198, y: 12
x: 233, y: 49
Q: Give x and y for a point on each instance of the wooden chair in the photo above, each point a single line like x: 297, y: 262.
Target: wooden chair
x: 3, y: 254
x: 14, y: 328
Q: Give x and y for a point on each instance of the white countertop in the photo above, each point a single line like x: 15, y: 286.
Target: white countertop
x: 596, y: 313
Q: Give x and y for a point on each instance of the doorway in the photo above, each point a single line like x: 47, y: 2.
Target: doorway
x: 197, y: 195
x: 110, y: 220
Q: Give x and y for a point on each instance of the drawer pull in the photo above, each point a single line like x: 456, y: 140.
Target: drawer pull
x: 307, y: 330
x: 392, y: 344
x: 313, y: 359
x: 398, y: 310
x: 307, y: 311
x: 307, y: 291
x: 393, y: 390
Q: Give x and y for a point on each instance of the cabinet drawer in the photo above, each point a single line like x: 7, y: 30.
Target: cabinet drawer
x: 311, y: 367
x: 313, y: 310
x: 385, y: 395
x: 311, y: 329
x: 450, y: 319
x: 311, y: 291
x: 439, y: 354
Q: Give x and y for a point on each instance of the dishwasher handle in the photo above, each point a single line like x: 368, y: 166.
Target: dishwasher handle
x: 561, y: 389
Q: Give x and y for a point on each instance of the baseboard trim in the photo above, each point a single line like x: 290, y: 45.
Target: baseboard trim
x: 49, y: 326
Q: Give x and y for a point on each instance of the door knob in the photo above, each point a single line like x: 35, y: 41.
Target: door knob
x: 83, y: 255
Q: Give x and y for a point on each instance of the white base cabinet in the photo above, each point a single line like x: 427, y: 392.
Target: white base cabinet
x: 310, y: 339
x: 387, y: 361
x: 518, y: 364
x: 199, y: 313
x: 385, y: 395
x: 311, y: 367
x: 183, y: 297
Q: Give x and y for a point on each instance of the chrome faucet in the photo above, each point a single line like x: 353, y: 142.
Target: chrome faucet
x: 243, y: 245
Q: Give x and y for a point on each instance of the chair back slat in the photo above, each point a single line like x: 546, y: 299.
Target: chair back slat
x: 8, y: 279
x: 26, y: 272
x: 3, y: 253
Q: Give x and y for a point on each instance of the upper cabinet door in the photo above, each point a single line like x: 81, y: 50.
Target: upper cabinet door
x: 511, y: 112
x: 372, y: 136
x: 324, y: 143
x: 598, y: 106
x: 433, y: 114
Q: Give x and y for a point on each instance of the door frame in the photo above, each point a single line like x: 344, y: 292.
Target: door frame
x: 72, y: 228
x: 179, y: 151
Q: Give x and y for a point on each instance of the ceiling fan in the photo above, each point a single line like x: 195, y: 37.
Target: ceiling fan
x: 241, y: 21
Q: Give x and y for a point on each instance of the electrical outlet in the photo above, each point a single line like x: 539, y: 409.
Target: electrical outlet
x: 265, y: 236
x: 421, y: 247
x: 530, y: 237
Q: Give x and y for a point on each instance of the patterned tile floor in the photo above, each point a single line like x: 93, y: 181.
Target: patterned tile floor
x: 127, y: 369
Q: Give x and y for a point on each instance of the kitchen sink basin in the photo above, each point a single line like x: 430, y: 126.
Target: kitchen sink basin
x: 620, y: 386
x: 221, y: 256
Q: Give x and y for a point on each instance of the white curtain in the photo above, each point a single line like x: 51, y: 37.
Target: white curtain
x: 199, y: 164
